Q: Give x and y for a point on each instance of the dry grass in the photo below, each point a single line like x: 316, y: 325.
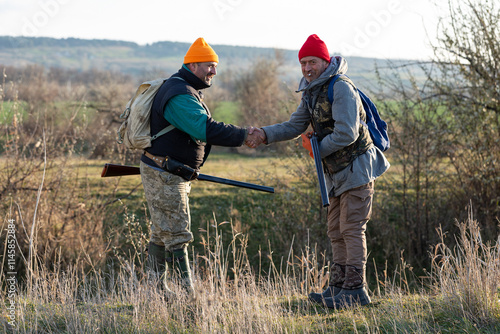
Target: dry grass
x: 232, y: 298
x: 467, y: 278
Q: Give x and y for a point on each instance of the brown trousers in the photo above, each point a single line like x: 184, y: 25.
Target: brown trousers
x: 347, y: 218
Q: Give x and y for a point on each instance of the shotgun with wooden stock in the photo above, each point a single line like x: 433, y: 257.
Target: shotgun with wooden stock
x: 110, y: 170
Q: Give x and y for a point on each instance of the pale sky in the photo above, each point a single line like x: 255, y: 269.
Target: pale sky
x: 370, y: 28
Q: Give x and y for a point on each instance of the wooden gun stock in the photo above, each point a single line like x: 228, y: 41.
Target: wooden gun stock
x: 121, y: 170
x: 319, y: 170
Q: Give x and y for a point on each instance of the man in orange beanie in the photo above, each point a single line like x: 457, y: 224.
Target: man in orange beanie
x: 351, y: 163
x: 167, y: 166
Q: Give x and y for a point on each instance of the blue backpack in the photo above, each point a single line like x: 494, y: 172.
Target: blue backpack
x: 376, y: 126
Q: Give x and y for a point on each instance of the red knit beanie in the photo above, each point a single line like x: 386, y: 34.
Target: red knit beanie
x: 314, y: 46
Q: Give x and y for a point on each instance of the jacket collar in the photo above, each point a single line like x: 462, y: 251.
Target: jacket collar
x: 192, y: 79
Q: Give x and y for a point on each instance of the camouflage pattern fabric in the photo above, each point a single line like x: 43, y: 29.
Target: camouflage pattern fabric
x: 168, y: 201
x: 354, y: 278
x: 337, y: 276
x: 323, y: 125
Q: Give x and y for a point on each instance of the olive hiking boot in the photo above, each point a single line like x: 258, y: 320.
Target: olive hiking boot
x: 156, y: 266
x: 179, y: 260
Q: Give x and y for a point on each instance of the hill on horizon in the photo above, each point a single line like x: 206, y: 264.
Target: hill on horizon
x: 138, y: 60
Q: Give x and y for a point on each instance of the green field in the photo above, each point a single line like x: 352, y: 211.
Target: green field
x: 251, y: 212
x: 227, y: 112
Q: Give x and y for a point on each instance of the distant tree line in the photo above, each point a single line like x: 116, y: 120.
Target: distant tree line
x: 10, y: 42
x: 154, y: 50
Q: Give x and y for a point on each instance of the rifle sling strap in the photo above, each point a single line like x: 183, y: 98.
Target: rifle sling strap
x: 160, y: 161
x: 174, y: 166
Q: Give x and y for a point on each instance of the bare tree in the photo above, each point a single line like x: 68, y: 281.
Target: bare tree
x: 467, y: 82
x: 445, y: 134
x: 263, y: 96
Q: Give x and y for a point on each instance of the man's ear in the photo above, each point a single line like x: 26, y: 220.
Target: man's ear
x: 192, y: 66
x: 326, y: 64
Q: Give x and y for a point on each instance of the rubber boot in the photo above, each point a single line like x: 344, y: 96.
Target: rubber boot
x: 337, y: 278
x: 179, y: 259
x: 156, y: 266
x: 353, y: 291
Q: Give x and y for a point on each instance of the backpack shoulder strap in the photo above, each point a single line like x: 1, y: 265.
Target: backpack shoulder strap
x: 163, y: 131
x: 347, y: 79
x: 334, y: 80
x: 170, y: 127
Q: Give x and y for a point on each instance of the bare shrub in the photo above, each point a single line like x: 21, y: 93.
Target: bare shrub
x: 31, y: 85
x: 58, y: 213
x: 264, y: 98
x: 414, y: 197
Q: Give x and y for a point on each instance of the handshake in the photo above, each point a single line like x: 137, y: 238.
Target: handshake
x: 256, y: 136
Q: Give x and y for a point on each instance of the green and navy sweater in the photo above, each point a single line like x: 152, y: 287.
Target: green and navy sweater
x: 179, y: 102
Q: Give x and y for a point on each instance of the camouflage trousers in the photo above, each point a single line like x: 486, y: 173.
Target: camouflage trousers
x: 347, y: 218
x: 168, y: 202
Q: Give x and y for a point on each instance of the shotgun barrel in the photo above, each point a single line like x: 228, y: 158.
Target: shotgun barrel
x: 110, y: 170
x: 319, y: 171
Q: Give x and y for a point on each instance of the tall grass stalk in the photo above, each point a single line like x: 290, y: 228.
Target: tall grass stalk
x: 467, y: 277
x: 32, y: 242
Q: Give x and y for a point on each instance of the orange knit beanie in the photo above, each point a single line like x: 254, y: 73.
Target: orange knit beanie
x: 200, y: 52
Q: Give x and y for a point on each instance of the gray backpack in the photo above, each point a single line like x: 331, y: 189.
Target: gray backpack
x: 135, y: 130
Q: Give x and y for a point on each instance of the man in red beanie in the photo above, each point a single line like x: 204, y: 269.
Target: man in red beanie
x: 351, y: 163
x: 168, y: 166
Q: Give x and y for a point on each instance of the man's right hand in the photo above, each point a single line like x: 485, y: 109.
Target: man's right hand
x: 256, y: 136
x: 306, y: 142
